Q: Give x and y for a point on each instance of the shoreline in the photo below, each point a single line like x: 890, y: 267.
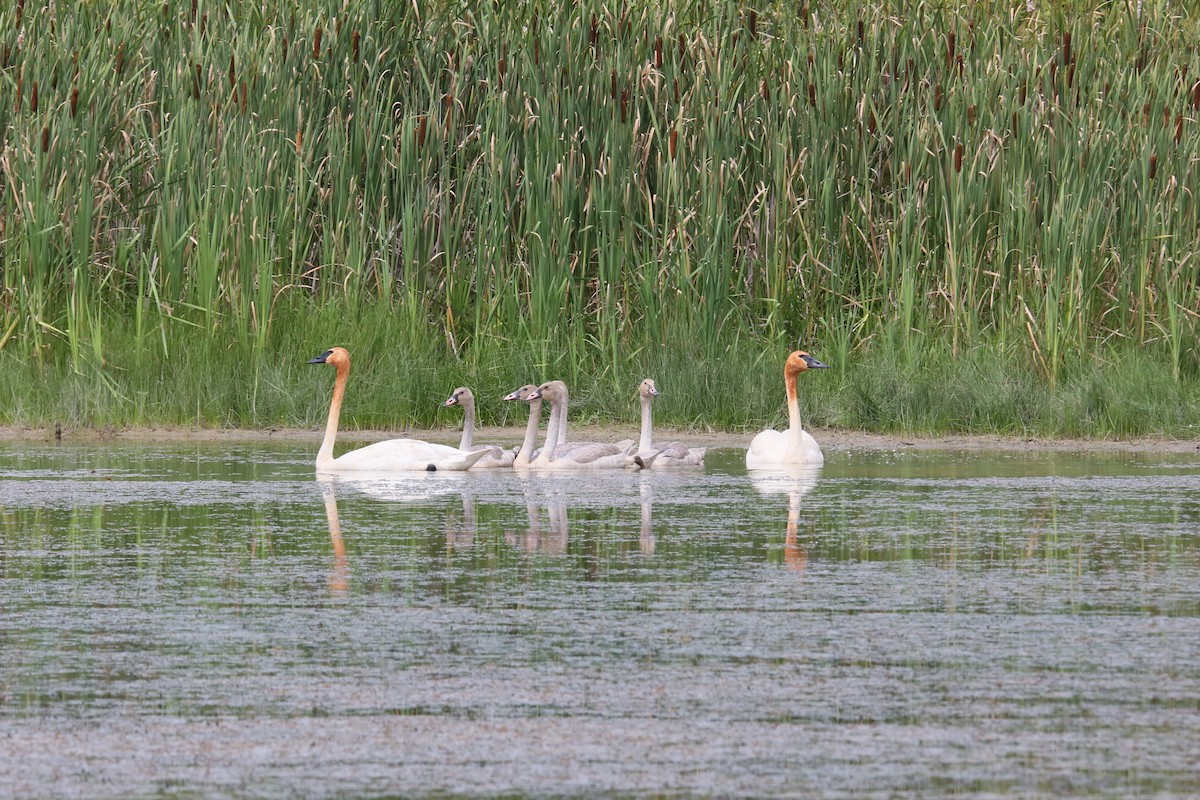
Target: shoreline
x: 831, y: 438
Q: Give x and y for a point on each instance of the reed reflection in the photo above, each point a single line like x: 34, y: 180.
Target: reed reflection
x: 795, y: 482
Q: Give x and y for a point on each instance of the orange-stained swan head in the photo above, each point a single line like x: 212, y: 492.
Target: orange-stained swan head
x: 648, y: 389
x: 338, y: 356
x: 799, y: 361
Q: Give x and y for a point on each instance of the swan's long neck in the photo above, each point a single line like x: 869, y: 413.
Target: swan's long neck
x: 325, y: 454
x: 531, y: 429
x: 644, y: 442
x: 558, y: 411
x: 468, y: 425
x: 561, y: 424
x: 794, y: 428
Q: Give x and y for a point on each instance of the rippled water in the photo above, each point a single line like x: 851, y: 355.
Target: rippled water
x: 211, y: 621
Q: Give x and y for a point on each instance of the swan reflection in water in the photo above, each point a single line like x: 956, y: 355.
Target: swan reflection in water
x: 339, y: 576
x: 546, y: 506
x: 795, y: 482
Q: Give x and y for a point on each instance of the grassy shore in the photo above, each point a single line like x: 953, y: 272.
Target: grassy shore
x: 981, y: 216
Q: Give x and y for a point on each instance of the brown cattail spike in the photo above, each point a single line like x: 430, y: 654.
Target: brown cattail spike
x: 33, y: 100
x: 354, y: 46
x: 1153, y: 166
x: 421, y: 132
x: 120, y: 65
x: 45, y: 138
x: 753, y: 24
x: 958, y: 157
x: 74, y: 101
x: 1178, y: 121
x: 624, y: 104
x: 232, y: 73
x: 672, y: 145
x: 658, y: 54
x: 812, y: 95
x: 317, y: 43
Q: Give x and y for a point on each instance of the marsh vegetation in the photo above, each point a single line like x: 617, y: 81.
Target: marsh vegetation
x: 982, y: 217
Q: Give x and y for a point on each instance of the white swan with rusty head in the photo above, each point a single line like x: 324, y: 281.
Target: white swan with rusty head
x: 394, y: 455
x: 793, y: 447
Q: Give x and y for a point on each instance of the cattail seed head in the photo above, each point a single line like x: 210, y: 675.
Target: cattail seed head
x: 242, y: 100
x: 812, y: 95
x: 354, y: 46
x: 196, y: 83
x: 612, y: 78
x: 950, y: 47
x: 862, y: 32
x: 672, y: 145
x: 1066, y: 48
x: 421, y: 131
x: 1153, y: 164
x: 594, y: 32
x: 753, y: 24
x: 317, y: 43
x: 937, y: 97
x: 766, y: 92
x: 20, y: 90
x: 299, y: 141
x: 232, y: 73
x: 33, y: 99
x: 958, y: 157
x: 658, y: 54
x: 46, y: 139
x: 1178, y: 121
x: 624, y: 104
x: 120, y: 65
x: 74, y: 101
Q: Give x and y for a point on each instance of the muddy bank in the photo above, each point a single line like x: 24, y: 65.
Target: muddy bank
x: 829, y: 438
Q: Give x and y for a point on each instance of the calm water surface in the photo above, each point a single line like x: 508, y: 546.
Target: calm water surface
x: 208, y: 620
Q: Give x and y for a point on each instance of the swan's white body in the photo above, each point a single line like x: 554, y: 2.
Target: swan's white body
x: 584, y: 456
x: 394, y: 455
x: 497, y: 457
x: 671, y: 454
x: 793, y: 447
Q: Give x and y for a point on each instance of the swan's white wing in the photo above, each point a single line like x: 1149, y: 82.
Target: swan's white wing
x: 398, y: 455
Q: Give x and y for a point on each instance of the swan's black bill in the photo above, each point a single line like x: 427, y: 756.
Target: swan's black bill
x: 321, y: 358
x: 813, y: 363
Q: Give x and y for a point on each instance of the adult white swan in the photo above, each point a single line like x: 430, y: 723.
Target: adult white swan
x: 672, y: 454
x: 589, y: 456
x: 497, y: 457
x: 793, y: 446
x: 394, y: 455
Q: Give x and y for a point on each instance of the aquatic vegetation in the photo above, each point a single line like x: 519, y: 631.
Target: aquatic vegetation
x: 595, y: 184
